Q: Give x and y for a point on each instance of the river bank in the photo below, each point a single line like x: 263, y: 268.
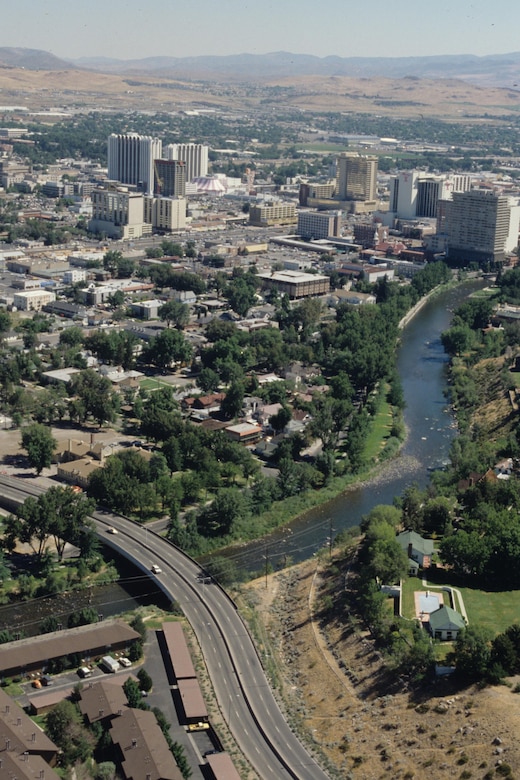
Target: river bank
x: 430, y: 427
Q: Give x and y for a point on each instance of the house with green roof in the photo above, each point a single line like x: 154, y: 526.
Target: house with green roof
x: 416, y: 548
x: 445, y: 623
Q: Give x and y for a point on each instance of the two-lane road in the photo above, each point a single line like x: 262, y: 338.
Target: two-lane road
x: 241, y: 687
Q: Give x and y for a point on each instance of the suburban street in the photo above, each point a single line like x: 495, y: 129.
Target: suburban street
x: 241, y: 687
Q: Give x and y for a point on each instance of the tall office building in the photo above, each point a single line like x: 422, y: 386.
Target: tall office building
x: 131, y: 159
x: 356, y: 177
x: 480, y: 226
x: 169, y: 178
x: 415, y: 194
x: 194, y: 155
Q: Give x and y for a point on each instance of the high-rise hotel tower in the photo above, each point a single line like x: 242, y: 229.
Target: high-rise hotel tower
x: 131, y: 159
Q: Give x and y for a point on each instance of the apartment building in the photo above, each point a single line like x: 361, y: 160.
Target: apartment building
x: 32, y: 300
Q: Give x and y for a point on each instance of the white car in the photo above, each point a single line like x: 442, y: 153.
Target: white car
x: 156, y: 569
x: 125, y: 662
x: 112, y: 530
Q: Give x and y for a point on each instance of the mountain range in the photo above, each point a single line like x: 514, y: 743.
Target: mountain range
x: 494, y: 70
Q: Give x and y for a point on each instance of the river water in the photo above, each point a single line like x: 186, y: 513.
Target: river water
x: 431, y: 428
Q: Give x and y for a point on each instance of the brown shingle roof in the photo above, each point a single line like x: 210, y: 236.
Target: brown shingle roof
x: 102, y: 700
x: 144, y: 750
x: 32, y: 652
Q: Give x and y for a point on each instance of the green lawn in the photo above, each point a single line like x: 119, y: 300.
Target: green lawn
x: 380, y: 427
x: 495, y: 610
x: 149, y: 383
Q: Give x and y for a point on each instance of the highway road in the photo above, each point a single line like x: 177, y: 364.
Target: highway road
x: 245, y: 698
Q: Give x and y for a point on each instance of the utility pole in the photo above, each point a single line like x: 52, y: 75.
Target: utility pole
x: 330, y: 538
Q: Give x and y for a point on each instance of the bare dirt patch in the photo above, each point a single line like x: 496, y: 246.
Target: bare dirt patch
x: 366, y: 722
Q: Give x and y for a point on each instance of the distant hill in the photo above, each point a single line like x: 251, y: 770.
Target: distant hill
x: 502, y: 70
x: 31, y: 59
x: 494, y: 70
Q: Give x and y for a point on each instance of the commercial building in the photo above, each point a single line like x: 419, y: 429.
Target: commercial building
x: 32, y: 300
x: 415, y: 194
x: 318, y: 224
x: 195, y: 156
x: 480, y: 226
x: 296, y: 284
x: 169, y: 178
x: 356, y: 177
x: 272, y: 213
x: 131, y: 159
x: 118, y: 213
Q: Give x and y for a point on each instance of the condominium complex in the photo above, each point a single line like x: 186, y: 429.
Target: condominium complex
x: 195, y: 156
x: 318, y: 224
x: 356, y: 177
x: 272, y: 213
x: 480, y: 226
x: 131, y: 159
x: 170, y: 178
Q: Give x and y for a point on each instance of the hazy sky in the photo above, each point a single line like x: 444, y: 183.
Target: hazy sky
x: 128, y: 29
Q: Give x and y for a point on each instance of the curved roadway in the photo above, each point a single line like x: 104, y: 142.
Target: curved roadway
x: 244, y: 695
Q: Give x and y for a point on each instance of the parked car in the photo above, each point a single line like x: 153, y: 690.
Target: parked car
x: 84, y: 671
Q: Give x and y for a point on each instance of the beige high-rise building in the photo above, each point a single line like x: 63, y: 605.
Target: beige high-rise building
x: 478, y: 226
x: 356, y: 177
x: 118, y: 213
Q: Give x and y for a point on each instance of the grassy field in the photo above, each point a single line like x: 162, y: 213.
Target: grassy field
x: 380, y: 428
x: 495, y: 610
x: 149, y: 383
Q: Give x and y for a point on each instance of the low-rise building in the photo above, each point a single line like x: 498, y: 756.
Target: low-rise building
x: 272, y: 213
x: 33, y: 300
x: 296, y: 284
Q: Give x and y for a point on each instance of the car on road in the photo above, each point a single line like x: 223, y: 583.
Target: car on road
x: 156, y: 569
x: 112, y: 530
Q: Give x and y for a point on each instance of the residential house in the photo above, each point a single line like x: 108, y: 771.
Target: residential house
x: 417, y: 548
x: 244, y: 433
x: 445, y: 623
x: 141, y: 748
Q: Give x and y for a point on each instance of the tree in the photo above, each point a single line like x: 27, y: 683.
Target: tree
x: 59, y: 513
x: 95, y: 397
x: 63, y: 725
x: 240, y: 295
x: 145, y: 681
x: 175, y: 312
x: 473, y: 652
x: 167, y: 348
x: 229, y: 507
x: 231, y: 405
x: 39, y: 443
